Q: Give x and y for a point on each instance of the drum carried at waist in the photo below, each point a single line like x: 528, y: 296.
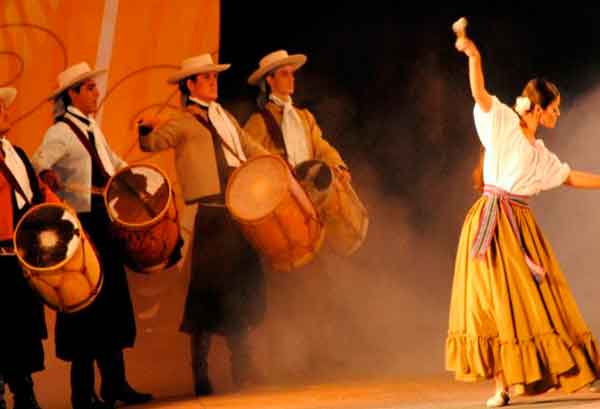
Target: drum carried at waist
x: 141, y: 205
x: 274, y: 212
x: 57, y: 257
x: 345, y: 217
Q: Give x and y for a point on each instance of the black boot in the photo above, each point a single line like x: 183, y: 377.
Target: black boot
x: 243, y: 372
x: 92, y: 402
x: 82, y: 386
x: 2, y: 401
x: 23, y: 394
x: 114, y: 383
x: 200, y: 345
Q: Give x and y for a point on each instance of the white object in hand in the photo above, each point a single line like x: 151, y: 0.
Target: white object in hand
x: 460, y: 27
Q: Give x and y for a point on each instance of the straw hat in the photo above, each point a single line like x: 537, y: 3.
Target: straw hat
x: 74, y: 75
x: 274, y: 60
x: 196, y: 65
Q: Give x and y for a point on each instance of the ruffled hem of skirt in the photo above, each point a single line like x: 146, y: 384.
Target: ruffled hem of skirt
x: 545, y: 359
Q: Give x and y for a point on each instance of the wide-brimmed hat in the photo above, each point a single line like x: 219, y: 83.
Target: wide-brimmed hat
x: 274, y: 60
x: 7, y: 95
x: 74, y: 75
x: 196, y: 65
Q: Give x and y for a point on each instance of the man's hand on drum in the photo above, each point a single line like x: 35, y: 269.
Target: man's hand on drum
x: 344, y: 174
x: 51, y: 178
x: 146, y: 125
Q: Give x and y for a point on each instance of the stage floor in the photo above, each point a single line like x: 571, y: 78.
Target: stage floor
x: 440, y: 393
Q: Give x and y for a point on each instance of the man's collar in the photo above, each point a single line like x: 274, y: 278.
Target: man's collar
x: 87, y: 120
x: 280, y: 101
x: 199, y: 102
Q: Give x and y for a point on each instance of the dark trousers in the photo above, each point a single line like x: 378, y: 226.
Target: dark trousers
x: 2, y: 401
x: 241, y: 364
x: 19, y: 384
x: 112, y: 373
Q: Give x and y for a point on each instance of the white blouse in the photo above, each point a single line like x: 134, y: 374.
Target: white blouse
x: 511, y: 162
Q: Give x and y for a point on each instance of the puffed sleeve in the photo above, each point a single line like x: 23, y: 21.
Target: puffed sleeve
x: 496, y: 126
x: 553, y: 172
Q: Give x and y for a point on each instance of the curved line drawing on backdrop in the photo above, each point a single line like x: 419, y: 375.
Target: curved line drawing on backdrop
x: 21, y: 67
x: 45, y: 30
x: 161, y: 105
x: 131, y: 75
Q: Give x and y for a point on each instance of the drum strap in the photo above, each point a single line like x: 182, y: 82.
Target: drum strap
x: 103, y: 176
x: 38, y: 196
x: 11, y: 179
x: 33, y: 182
x: 224, y: 169
x: 274, y: 130
x: 218, y: 137
x: 35, y: 188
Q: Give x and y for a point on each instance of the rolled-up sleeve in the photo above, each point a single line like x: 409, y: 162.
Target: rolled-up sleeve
x: 53, y: 148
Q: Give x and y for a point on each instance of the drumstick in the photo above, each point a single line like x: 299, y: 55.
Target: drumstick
x: 75, y: 188
x: 7, y: 251
x: 460, y: 27
x: 140, y: 197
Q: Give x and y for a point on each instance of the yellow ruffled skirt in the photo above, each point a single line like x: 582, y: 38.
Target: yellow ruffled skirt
x: 502, y: 321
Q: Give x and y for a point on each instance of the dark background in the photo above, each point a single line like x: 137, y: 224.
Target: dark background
x: 391, y: 93
x: 387, y: 85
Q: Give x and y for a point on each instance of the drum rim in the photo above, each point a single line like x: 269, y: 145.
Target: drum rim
x: 154, y: 220
x: 237, y: 170
x: 67, y: 259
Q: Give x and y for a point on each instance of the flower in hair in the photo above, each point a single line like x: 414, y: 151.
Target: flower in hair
x: 522, y: 105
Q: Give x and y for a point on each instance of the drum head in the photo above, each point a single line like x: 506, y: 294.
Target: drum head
x: 47, y: 236
x: 256, y: 188
x: 316, y: 178
x: 137, y: 195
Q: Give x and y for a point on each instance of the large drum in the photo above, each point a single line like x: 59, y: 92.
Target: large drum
x: 141, y: 205
x: 345, y: 217
x: 57, y: 257
x: 274, y: 212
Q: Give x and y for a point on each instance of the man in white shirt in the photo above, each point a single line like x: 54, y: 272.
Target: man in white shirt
x: 73, y: 158
x: 22, y: 311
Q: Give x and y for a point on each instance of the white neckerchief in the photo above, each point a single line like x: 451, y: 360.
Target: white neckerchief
x: 227, y: 131
x: 100, y: 147
x: 294, y: 133
x: 17, y: 168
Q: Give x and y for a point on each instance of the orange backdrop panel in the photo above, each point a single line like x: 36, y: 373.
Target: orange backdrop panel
x: 150, y: 34
x: 77, y: 26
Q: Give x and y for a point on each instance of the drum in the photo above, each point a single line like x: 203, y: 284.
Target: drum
x: 344, y: 216
x: 141, y: 206
x: 57, y: 257
x: 274, y: 212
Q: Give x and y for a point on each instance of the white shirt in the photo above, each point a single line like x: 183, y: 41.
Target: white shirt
x: 17, y: 168
x: 226, y: 130
x: 511, y: 162
x: 294, y: 133
x: 74, y: 115
x: 62, y: 151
